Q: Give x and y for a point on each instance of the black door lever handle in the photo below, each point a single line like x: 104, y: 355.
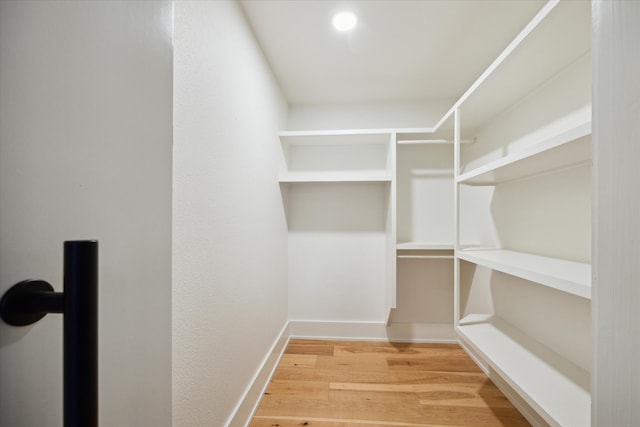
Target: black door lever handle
x: 30, y: 300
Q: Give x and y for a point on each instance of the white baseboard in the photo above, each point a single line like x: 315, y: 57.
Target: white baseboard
x: 244, y: 410
x: 374, y: 331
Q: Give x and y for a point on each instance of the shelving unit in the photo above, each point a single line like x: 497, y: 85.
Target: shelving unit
x: 424, y: 227
x: 424, y: 182
x: 337, y: 188
x: 523, y: 279
x: 415, y: 167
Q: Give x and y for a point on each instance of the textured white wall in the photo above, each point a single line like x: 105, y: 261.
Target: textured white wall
x: 85, y: 152
x: 616, y: 271
x: 229, y: 228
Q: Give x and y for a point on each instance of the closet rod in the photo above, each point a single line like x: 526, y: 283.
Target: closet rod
x: 434, y: 141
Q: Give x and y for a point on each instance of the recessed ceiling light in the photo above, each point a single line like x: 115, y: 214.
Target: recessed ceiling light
x: 344, y: 21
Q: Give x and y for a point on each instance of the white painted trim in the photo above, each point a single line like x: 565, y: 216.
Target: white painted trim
x: 248, y: 404
x: 373, y: 331
x: 343, y: 132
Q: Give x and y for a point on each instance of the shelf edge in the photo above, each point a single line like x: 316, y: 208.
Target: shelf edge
x: 571, y: 286
x: 552, y: 142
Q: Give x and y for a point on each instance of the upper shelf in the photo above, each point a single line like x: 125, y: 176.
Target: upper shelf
x: 518, y: 70
x: 336, y: 156
x: 567, y: 276
x: 567, y: 147
x: 305, y: 136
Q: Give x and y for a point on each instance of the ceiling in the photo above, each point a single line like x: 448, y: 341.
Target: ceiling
x: 401, y: 50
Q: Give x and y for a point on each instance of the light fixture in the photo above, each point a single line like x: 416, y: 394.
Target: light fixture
x: 344, y: 21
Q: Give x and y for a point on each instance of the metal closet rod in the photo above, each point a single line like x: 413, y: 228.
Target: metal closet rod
x: 434, y: 141
x: 30, y: 300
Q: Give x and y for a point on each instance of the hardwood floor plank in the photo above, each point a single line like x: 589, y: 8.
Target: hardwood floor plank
x: 332, y: 375
x: 473, y: 417
x: 345, y: 405
x: 440, y: 364
x: 310, y: 347
x: 298, y: 360
x: 417, y: 376
x: 362, y: 363
x: 400, y: 349
x: 299, y: 390
x: 397, y: 388
x: 486, y: 395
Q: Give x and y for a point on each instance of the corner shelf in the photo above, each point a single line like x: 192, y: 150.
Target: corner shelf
x: 567, y: 276
x: 569, y: 147
x: 556, y: 388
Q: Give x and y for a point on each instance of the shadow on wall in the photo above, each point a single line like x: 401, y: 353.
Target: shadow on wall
x: 546, y: 215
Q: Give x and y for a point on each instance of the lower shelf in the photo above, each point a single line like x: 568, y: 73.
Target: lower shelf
x: 556, y: 388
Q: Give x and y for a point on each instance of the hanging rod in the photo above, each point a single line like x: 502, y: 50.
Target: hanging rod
x: 434, y: 141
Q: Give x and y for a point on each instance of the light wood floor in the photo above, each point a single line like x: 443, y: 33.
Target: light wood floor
x: 345, y: 384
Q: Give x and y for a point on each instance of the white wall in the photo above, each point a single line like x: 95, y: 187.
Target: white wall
x: 616, y: 270
x: 229, y: 228
x: 380, y: 115
x: 85, y: 152
x: 337, y: 251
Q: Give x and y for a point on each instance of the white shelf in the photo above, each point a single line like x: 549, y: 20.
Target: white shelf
x: 556, y: 388
x: 330, y: 156
x: 568, y: 147
x: 535, y: 56
x: 421, y: 246
x: 354, y: 132
x: 310, y: 177
x: 567, y: 276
